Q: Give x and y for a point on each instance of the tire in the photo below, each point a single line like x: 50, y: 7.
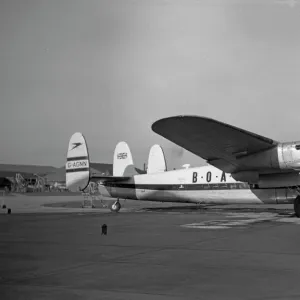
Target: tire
x: 115, y: 207
x: 297, y: 206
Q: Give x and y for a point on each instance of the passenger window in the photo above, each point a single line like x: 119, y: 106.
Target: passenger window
x: 297, y: 147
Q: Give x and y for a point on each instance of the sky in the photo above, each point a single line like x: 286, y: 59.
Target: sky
x: 111, y: 68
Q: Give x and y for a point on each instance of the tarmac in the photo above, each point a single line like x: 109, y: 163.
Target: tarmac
x: 51, y: 248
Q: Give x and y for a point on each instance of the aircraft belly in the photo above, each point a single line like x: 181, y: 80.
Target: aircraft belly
x: 211, y: 196
x: 158, y: 195
x: 200, y: 196
x: 104, y: 191
x: 242, y: 196
x: 123, y: 192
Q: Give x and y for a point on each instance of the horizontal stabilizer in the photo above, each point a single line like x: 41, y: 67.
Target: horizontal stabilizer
x: 109, y: 178
x: 78, y: 172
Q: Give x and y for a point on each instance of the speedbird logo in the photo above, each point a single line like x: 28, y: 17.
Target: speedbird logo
x: 75, y: 145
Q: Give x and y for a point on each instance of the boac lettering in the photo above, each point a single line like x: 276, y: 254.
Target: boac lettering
x: 223, y: 178
x: 195, y: 176
x: 208, y: 176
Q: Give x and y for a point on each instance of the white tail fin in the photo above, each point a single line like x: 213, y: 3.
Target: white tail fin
x: 77, y: 166
x: 122, y: 160
x: 156, y: 160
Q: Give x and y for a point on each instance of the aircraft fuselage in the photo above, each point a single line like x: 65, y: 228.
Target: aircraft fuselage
x: 195, y: 185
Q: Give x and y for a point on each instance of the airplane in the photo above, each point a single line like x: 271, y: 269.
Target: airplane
x: 243, y: 167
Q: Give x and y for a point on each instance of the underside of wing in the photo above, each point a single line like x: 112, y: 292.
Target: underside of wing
x: 218, y: 143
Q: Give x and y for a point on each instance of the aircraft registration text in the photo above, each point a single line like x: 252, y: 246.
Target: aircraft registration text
x: 77, y: 164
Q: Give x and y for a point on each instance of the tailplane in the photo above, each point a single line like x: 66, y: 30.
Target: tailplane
x: 156, y: 160
x: 78, y: 173
x: 78, y: 164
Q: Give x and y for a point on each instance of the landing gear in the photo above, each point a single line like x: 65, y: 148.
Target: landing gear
x: 116, y: 206
x: 297, y: 206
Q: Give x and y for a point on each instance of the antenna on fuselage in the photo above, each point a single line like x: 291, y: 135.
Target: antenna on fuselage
x: 186, y: 166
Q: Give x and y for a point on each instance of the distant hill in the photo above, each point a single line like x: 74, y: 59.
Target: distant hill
x: 30, y: 169
x: 8, y: 174
x: 101, y: 168
x: 59, y: 174
x: 97, y: 169
x: 52, y: 173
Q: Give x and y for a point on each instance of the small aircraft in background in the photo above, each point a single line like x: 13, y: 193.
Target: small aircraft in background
x: 244, y: 168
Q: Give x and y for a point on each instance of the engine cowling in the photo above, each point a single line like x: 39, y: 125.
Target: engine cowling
x: 274, y: 167
x: 246, y: 176
x: 289, y: 155
x: 279, y: 180
x: 284, y: 156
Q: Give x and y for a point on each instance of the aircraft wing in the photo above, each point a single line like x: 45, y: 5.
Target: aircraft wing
x: 218, y: 143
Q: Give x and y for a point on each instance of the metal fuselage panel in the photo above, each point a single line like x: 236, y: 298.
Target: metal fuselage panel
x: 195, y: 185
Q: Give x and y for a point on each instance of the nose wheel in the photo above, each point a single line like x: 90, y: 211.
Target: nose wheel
x: 297, y: 206
x: 116, y: 206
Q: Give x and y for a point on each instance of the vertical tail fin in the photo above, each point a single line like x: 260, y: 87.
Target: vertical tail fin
x: 156, y: 160
x: 123, y: 162
x: 77, y: 166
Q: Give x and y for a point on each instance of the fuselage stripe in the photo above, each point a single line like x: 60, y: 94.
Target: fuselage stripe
x: 180, y: 187
x: 77, y: 170
x: 187, y: 187
x: 77, y: 158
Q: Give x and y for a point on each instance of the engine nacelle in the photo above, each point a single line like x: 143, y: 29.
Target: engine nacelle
x: 289, y: 155
x: 279, y: 180
x: 246, y: 176
x: 269, y: 180
x: 284, y: 156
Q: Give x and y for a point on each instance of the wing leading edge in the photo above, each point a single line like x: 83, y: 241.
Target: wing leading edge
x: 218, y: 143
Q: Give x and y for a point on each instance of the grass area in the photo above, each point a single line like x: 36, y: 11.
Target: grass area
x: 33, y: 194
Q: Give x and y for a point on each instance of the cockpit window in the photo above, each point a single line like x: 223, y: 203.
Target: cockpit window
x: 298, y: 147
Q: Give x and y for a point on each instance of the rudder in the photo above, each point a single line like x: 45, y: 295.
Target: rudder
x: 156, y: 160
x: 77, y: 165
x: 122, y: 159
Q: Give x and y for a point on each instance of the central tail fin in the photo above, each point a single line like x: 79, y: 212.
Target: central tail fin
x: 78, y: 164
x: 123, y: 162
x: 156, y: 160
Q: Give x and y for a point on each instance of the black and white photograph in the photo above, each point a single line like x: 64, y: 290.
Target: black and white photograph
x: 150, y: 149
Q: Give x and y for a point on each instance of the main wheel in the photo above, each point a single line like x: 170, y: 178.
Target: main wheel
x: 116, y: 207
x: 297, y: 206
